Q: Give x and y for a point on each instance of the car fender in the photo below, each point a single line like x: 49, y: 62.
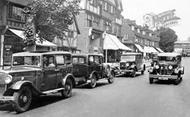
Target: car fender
x: 94, y: 72
x: 19, y: 84
x: 66, y: 77
x: 182, y: 70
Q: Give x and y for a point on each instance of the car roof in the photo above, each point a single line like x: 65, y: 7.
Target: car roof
x: 131, y: 53
x: 40, y: 53
x: 83, y: 54
x: 168, y: 54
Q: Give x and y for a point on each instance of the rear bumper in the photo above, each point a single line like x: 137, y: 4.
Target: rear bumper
x: 163, y: 77
x: 126, y: 71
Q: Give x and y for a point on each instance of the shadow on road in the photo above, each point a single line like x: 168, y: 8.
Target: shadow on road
x: 98, y: 85
x: 37, y: 102
x: 166, y: 82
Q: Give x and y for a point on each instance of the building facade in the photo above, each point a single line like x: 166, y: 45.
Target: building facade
x: 12, y: 26
x: 12, y: 20
x: 139, y: 38
x: 182, y: 47
x: 95, y: 18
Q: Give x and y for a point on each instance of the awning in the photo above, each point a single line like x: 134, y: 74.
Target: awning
x: 139, y: 48
x: 159, y: 50
x: 45, y: 43
x: 19, y: 33
x: 148, y: 49
x: 111, y: 42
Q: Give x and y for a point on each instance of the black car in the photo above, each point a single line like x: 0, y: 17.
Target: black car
x: 89, y: 68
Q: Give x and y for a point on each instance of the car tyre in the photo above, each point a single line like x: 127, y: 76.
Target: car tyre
x: 22, y: 99
x: 93, y: 81
x: 142, y: 72
x: 151, y: 80
x: 111, y: 77
x: 133, y: 74
x: 67, y: 92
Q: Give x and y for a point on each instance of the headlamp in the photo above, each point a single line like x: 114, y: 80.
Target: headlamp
x: 8, y: 79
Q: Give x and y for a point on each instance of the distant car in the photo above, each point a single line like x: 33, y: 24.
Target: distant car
x: 89, y: 68
x: 131, y: 63
x: 166, y: 67
x: 35, y: 74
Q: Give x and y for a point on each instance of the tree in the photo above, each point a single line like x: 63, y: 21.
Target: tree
x: 49, y: 18
x: 167, y: 39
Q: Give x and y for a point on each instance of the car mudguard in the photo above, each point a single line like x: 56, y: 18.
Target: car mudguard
x: 66, y: 77
x: 19, y: 84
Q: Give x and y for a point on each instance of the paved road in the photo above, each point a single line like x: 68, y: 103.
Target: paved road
x: 127, y: 97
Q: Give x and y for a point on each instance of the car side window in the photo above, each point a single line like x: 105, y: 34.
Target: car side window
x: 60, y: 59
x: 81, y: 60
x: 67, y: 59
x: 48, y: 61
x: 75, y: 60
x: 97, y: 59
x: 91, y: 60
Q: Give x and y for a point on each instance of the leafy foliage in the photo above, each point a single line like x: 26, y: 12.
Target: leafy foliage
x: 167, y: 39
x: 49, y: 18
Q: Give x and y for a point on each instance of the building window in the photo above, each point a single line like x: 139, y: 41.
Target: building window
x: 16, y: 13
x: 105, y: 6
x: 112, y: 9
x: 93, y: 3
x: 138, y: 30
x: 96, y: 21
x: 108, y: 26
x: 89, y: 20
x: 132, y: 28
x: 92, y: 20
x: 144, y: 33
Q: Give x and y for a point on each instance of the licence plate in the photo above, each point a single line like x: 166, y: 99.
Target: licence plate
x: 163, y: 78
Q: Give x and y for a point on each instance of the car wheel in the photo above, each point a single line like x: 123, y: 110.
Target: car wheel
x: 67, y: 92
x: 22, y: 99
x: 133, y: 74
x: 142, y: 72
x: 111, y: 77
x: 151, y: 80
x: 93, y: 81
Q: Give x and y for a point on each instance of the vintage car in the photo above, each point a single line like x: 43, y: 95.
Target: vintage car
x: 33, y: 74
x: 167, y: 66
x: 131, y: 63
x: 89, y: 68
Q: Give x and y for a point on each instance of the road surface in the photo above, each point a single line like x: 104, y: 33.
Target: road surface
x: 126, y: 97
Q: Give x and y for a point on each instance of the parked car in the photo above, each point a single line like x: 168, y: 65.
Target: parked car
x: 131, y: 63
x: 89, y: 68
x: 35, y: 74
x: 166, y: 67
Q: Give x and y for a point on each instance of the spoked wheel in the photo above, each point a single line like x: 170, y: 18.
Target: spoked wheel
x: 23, y: 99
x: 111, y: 77
x: 67, y: 92
x: 93, y: 81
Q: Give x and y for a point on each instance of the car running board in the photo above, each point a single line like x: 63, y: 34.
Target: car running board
x: 53, y: 91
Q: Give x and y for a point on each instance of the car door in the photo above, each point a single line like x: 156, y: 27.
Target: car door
x: 49, y: 73
x: 98, y: 65
x: 80, y: 66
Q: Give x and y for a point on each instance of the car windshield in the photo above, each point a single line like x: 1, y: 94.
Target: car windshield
x: 26, y: 61
x: 167, y: 58
x: 127, y: 58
